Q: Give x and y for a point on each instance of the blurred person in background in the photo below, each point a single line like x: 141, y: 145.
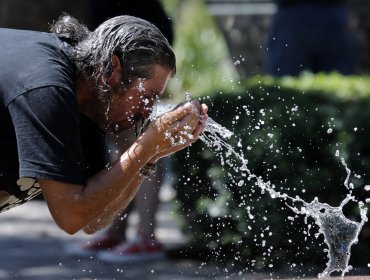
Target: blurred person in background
x: 311, y: 35
x: 113, y: 245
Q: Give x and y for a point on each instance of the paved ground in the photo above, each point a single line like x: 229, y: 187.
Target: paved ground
x: 32, y: 248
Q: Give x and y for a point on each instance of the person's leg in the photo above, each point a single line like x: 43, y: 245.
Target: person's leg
x: 118, y: 227
x: 144, y: 246
x: 147, y: 201
x: 116, y: 145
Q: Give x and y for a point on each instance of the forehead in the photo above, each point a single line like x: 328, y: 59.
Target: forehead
x: 158, y: 78
x: 160, y: 72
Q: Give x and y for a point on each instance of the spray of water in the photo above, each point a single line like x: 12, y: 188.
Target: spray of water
x: 339, y: 232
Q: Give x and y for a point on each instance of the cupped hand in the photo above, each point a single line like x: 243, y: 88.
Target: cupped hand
x: 175, y: 130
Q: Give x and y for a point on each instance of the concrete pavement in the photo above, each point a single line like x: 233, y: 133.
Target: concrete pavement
x: 32, y: 248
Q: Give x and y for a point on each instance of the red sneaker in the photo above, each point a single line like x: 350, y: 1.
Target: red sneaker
x: 91, y: 248
x: 139, y: 250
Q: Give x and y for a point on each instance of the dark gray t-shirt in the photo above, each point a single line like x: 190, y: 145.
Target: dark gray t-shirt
x: 42, y: 132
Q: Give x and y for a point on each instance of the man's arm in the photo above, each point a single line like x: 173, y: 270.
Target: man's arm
x: 116, y: 207
x: 75, y: 206
x: 119, y: 144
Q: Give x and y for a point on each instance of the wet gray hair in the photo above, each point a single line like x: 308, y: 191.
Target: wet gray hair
x: 139, y: 44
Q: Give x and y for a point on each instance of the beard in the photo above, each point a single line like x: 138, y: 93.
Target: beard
x: 103, y: 116
x: 115, y: 128
x: 104, y: 119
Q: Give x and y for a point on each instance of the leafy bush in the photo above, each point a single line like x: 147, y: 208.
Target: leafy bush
x: 293, y: 133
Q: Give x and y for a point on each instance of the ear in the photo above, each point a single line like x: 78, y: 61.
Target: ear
x: 115, y: 77
x: 115, y: 61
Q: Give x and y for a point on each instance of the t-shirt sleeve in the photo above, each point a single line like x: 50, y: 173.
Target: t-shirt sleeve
x: 46, y: 122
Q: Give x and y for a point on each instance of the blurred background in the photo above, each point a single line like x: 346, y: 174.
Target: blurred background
x: 294, y: 129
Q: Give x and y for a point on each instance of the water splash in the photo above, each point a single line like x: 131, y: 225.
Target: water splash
x: 213, y: 126
x: 339, y: 232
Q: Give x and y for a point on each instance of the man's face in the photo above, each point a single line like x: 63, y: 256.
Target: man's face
x: 129, y: 105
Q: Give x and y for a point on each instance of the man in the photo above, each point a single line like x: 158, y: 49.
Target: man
x: 114, y: 244
x: 60, y: 91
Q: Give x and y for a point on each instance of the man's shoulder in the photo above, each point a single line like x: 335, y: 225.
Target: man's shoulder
x: 33, y: 59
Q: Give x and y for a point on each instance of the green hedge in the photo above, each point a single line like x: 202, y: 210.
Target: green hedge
x: 290, y: 131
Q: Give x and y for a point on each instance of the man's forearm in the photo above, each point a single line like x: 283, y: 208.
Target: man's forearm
x: 74, y: 207
x: 116, y: 207
x: 120, y: 182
